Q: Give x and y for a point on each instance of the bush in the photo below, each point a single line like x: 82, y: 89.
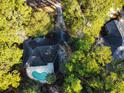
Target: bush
x: 51, y: 78
x: 30, y: 86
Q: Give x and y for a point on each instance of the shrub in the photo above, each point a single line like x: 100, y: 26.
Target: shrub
x: 51, y: 78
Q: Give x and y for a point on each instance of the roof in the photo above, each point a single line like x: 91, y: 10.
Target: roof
x: 120, y: 27
x: 43, y: 55
x: 47, y: 49
x: 113, y: 39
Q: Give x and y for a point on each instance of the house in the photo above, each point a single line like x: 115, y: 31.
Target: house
x: 46, y: 55
x: 113, y: 35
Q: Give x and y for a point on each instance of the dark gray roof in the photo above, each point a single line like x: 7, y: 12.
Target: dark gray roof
x: 47, y: 54
x: 43, y: 50
x: 36, y: 54
x: 113, y: 39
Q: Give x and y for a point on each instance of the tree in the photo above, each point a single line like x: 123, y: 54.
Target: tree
x: 73, y: 84
x: 73, y: 16
x: 30, y: 86
x: 118, y: 77
x: 39, y: 24
x: 14, y: 15
x: 8, y: 58
x: 89, y: 67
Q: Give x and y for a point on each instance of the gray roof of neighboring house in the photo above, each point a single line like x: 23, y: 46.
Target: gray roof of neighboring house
x: 120, y: 27
x: 113, y: 39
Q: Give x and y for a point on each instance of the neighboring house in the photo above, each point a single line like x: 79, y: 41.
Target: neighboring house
x: 113, y: 35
